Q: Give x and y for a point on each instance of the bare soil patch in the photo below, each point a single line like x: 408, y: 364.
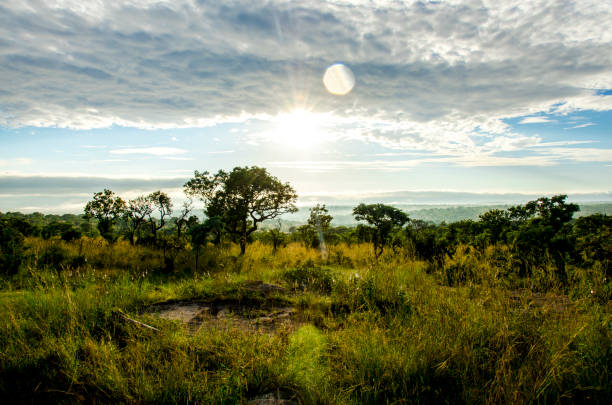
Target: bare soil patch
x: 223, y: 314
x: 532, y: 300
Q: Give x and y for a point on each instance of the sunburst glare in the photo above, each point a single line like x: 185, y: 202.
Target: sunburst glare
x: 300, y: 128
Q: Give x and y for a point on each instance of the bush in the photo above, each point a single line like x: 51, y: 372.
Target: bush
x: 377, y: 291
x: 11, y: 249
x: 310, y: 277
x: 54, y: 256
x: 462, y: 268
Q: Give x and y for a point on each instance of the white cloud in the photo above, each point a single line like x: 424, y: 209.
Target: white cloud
x: 535, y: 120
x: 560, y: 143
x: 155, y: 151
x: 16, y: 162
x: 177, y: 158
x: 220, y: 152
x: 588, y: 124
x: 546, y: 154
x: 430, y: 76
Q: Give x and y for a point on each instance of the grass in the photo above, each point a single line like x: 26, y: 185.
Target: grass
x: 394, y: 330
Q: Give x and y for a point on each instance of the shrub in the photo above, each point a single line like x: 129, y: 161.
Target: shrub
x: 11, y: 249
x: 311, y: 277
x: 462, y: 267
x: 54, y: 256
x: 377, y: 291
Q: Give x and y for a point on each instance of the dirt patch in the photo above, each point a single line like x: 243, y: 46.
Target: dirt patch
x: 225, y: 314
x: 274, y: 398
x: 263, y: 288
x: 530, y: 300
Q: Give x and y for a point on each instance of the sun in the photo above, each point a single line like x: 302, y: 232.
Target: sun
x: 299, y: 129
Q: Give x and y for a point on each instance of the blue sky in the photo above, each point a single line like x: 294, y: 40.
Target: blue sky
x: 464, y: 96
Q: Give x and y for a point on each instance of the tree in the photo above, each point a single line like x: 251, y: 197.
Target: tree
x: 277, y: 237
x: 383, y: 219
x: 542, y: 230
x: 106, y: 207
x: 137, y: 210
x: 593, y: 241
x: 11, y: 248
x: 314, y: 232
x: 242, y: 198
x: 57, y: 228
x: 200, y: 232
x: 183, y: 220
x: 495, y: 222
x: 319, y: 221
x: 161, y: 202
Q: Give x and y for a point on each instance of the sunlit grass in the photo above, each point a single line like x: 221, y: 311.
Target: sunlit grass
x: 372, y: 331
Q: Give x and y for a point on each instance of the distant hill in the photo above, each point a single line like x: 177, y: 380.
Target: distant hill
x: 435, y: 213
x: 343, y: 214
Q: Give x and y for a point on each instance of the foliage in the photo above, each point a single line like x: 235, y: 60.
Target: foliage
x: 311, y: 277
x: 161, y: 202
x: 106, y: 207
x: 135, y: 215
x: 383, y: 219
x: 367, y: 332
x: 514, y: 307
x: 315, y: 232
x: 64, y: 230
x: 242, y: 198
x: 11, y: 248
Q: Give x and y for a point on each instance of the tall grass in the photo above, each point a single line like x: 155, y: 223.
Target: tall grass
x: 392, y: 330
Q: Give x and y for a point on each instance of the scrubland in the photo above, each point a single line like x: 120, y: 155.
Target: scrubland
x: 392, y: 329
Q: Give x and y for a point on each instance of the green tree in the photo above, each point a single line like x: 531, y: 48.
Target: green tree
x: 541, y: 230
x: 23, y: 226
x: 495, y: 223
x: 242, y: 198
x: 135, y: 215
x: 161, y: 202
x: 319, y: 221
x: 184, y: 220
x: 55, y: 228
x: 106, y: 207
x: 275, y: 236
x: 200, y: 233
x: 11, y: 248
x: 383, y: 219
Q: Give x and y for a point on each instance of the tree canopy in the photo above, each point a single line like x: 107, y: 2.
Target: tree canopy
x: 106, y: 207
x: 242, y: 198
x: 382, y: 220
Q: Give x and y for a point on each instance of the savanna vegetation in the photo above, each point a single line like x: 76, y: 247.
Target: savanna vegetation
x: 511, y: 308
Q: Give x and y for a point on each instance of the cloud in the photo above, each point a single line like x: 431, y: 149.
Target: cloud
x: 535, y: 120
x: 70, y: 194
x: 588, y: 124
x: 155, y: 151
x: 82, y: 184
x: 545, y: 154
x: 15, y: 162
x: 560, y: 143
x: 220, y: 152
x: 434, y: 76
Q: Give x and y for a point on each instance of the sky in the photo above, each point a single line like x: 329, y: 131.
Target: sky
x: 487, y: 98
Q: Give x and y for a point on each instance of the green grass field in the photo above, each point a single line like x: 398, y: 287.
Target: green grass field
x: 364, y: 330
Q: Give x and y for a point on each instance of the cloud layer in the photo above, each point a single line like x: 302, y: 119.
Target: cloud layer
x: 432, y: 76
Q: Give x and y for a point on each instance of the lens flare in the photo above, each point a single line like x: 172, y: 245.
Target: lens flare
x: 338, y: 79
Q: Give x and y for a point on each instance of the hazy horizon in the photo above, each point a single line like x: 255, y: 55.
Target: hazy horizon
x: 60, y: 195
